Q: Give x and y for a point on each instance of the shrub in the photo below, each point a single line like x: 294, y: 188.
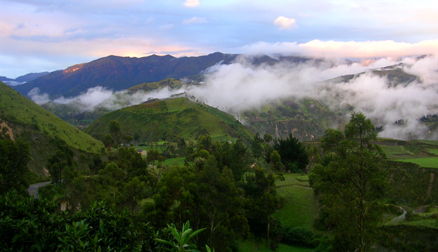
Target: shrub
x: 298, y: 236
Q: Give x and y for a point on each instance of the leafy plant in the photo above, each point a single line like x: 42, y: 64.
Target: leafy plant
x: 181, y: 239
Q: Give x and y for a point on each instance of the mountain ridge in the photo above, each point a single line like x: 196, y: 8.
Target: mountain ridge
x: 119, y: 73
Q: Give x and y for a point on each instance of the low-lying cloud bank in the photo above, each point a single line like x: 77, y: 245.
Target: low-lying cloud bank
x: 242, y: 85
x: 99, y: 97
x: 344, y: 49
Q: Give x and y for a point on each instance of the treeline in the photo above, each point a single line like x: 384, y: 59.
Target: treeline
x: 224, y: 192
x: 225, y: 188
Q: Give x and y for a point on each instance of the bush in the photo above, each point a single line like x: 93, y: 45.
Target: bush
x: 298, y: 236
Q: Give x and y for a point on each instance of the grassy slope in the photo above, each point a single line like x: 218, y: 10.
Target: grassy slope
x: 149, y: 86
x: 421, y: 152
x: 16, y: 108
x: 301, y: 208
x: 158, y: 120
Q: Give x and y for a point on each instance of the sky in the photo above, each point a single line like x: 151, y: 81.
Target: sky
x: 48, y: 35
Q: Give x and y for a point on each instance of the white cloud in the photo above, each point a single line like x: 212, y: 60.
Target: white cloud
x: 341, y: 49
x: 284, y: 22
x: 240, y: 86
x: 191, y: 3
x: 194, y: 20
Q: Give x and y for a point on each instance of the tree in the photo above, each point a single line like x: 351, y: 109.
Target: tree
x: 292, y: 152
x: 13, y: 166
x: 262, y: 201
x: 350, y: 185
x: 267, y: 138
x: 62, y: 158
x: 256, y: 146
x: 115, y: 131
x: 275, y: 163
x: 219, y: 205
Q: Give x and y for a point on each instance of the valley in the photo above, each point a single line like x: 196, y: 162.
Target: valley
x: 218, y: 165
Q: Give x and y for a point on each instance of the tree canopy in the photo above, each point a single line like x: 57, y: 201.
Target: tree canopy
x: 352, y: 182
x: 293, y: 153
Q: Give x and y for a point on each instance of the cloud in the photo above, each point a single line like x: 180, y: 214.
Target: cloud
x: 37, y: 97
x: 240, y: 86
x: 191, y: 3
x: 194, y: 20
x: 284, y: 22
x: 100, y: 97
x: 341, y: 49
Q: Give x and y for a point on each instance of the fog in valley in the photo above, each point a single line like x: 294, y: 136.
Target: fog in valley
x: 240, y: 86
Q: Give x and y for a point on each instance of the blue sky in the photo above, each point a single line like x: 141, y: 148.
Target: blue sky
x: 47, y: 35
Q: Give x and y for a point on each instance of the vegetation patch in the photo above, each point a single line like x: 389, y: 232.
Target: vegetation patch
x: 429, y: 162
x: 300, y: 207
x: 260, y: 245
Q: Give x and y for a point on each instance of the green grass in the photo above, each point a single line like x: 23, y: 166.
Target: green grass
x: 255, y: 246
x: 430, y: 223
x: 16, y: 108
x: 162, y: 120
x: 421, y: 152
x: 433, y: 151
x: 427, y: 162
x: 174, y: 161
x: 396, y: 151
x: 429, y: 142
x: 301, y: 208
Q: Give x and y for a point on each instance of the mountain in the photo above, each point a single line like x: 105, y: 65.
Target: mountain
x: 22, y: 118
x: 30, y: 76
x: 22, y: 79
x: 4, y: 78
x: 160, y: 120
x: 119, y: 73
x: 394, y: 74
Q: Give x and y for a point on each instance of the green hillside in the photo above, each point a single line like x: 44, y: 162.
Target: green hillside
x: 150, y: 86
x: 23, y: 118
x: 161, y: 120
x: 306, y: 120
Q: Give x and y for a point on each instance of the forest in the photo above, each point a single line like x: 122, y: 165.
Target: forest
x: 221, y: 194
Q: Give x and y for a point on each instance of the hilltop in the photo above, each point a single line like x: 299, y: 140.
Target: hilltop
x: 160, y: 120
x: 21, y: 117
x: 150, y: 86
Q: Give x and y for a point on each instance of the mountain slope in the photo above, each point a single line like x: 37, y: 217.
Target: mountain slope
x: 150, y: 86
x: 120, y: 73
x: 21, y: 117
x: 306, y: 119
x: 30, y: 76
x: 159, y: 120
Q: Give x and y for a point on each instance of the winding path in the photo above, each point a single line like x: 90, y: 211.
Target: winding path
x: 400, y: 217
x: 33, y: 189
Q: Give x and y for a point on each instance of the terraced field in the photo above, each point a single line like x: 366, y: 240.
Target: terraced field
x: 421, y: 152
